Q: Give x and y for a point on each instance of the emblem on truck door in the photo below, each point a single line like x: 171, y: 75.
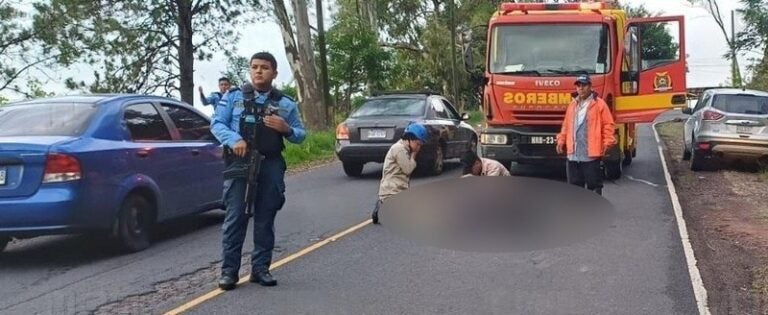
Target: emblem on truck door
x: 662, y: 82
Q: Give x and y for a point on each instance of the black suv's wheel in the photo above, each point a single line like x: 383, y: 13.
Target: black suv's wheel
x: 4, y: 242
x: 134, y: 223
x: 352, y: 169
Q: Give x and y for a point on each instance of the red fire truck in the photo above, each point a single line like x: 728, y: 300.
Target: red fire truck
x: 536, y: 50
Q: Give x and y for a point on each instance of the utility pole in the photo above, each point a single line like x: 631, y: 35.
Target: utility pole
x: 330, y: 113
x: 454, y: 86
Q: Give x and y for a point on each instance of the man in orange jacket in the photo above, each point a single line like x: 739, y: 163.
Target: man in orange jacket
x: 586, y: 135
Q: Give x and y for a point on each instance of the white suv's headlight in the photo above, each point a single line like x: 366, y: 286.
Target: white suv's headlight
x: 490, y: 138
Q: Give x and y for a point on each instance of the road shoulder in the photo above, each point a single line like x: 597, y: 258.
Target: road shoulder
x: 726, y: 212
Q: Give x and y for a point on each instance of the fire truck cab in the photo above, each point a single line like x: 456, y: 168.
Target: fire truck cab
x: 534, y: 53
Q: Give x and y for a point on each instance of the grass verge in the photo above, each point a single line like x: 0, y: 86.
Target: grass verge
x: 475, y: 118
x: 317, y: 147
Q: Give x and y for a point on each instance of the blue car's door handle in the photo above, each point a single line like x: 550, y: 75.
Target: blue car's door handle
x: 142, y: 153
x: 195, y: 152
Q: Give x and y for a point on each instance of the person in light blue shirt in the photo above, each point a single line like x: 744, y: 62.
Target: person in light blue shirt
x: 212, y: 100
x: 270, y: 191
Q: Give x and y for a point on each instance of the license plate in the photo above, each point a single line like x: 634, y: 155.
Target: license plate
x: 2, y: 176
x: 542, y: 140
x: 743, y: 129
x: 377, y: 134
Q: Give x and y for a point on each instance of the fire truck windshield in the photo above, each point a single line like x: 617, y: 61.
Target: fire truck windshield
x: 550, y: 49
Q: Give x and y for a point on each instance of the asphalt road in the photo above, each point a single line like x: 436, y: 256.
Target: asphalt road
x: 635, y: 267
x: 80, y: 274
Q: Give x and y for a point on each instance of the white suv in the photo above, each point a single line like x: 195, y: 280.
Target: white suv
x: 726, y: 125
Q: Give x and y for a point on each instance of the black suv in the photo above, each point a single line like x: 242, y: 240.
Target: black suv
x: 367, y: 134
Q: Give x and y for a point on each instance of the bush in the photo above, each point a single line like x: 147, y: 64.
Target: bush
x: 318, y: 146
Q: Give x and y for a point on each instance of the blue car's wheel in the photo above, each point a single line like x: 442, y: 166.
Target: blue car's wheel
x: 135, y: 223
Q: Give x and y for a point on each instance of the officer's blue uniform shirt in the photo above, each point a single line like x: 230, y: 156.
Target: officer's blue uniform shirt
x: 225, y: 124
x: 213, y: 99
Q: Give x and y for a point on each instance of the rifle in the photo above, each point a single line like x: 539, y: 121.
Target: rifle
x: 251, y: 126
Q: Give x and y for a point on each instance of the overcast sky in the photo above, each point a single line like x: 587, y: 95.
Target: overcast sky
x: 704, y: 42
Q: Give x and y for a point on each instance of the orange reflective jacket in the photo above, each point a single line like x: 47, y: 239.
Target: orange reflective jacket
x: 600, y: 128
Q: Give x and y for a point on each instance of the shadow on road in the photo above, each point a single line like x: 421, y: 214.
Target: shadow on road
x: 552, y: 171
x: 72, y: 250
x: 372, y: 171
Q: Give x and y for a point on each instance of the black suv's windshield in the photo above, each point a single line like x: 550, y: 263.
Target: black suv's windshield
x: 741, y: 104
x: 45, y: 119
x: 550, y: 49
x: 391, y: 107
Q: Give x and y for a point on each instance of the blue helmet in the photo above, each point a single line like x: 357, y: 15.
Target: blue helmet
x: 418, y: 130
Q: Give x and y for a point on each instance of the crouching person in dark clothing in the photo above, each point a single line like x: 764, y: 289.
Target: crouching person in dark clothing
x: 268, y: 198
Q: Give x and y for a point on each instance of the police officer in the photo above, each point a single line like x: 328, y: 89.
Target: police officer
x: 215, y: 97
x: 269, y: 198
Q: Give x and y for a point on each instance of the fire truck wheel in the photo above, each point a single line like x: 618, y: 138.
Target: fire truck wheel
x: 613, y: 169
x: 627, y: 158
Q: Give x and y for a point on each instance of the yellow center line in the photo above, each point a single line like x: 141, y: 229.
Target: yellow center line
x: 210, y: 295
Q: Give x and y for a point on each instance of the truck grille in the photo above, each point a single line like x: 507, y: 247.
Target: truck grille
x: 537, y: 150
x: 538, y: 115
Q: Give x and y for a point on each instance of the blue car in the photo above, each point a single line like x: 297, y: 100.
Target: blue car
x: 112, y: 163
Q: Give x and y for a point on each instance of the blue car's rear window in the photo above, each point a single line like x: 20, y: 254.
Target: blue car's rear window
x: 391, y: 107
x: 741, y: 104
x: 56, y: 119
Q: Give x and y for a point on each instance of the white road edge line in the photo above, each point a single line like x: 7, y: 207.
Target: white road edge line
x: 698, y: 285
x: 642, y: 181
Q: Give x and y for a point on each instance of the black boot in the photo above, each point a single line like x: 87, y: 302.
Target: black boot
x: 227, y: 283
x: 263, y: 278
x: 375, y: 214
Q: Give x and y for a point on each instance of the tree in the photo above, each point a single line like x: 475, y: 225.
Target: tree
x: 300, y: 53
x: 714, y: 10
x: 658, y: 44
x: 19, y: 52
x: 755, y: 38
x: 237, y: 70
x: 356, y: 62
x: 139, y: 46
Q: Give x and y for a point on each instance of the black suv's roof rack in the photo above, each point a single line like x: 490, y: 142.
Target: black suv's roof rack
x: 422, y: 92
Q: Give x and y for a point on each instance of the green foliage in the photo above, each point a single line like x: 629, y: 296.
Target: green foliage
x: 405, y: 45
x: 237, y: 70
x: 137, y: 46
x: 755, y: 37
x: 290, y: 90
x: 356, y: 62
x: 19, y: 53
x: 319, y: 145
x: 658, y: 43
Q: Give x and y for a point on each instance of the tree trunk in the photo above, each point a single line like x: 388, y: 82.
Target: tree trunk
x: 298, y: 48
x: 186, y: 51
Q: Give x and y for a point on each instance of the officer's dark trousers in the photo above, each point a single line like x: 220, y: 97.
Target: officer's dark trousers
x: 586, y: 173
x: 269, y: 199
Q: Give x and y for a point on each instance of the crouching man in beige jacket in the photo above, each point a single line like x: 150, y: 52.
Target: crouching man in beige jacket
x: 400, y: 164
x: 477, y: 166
